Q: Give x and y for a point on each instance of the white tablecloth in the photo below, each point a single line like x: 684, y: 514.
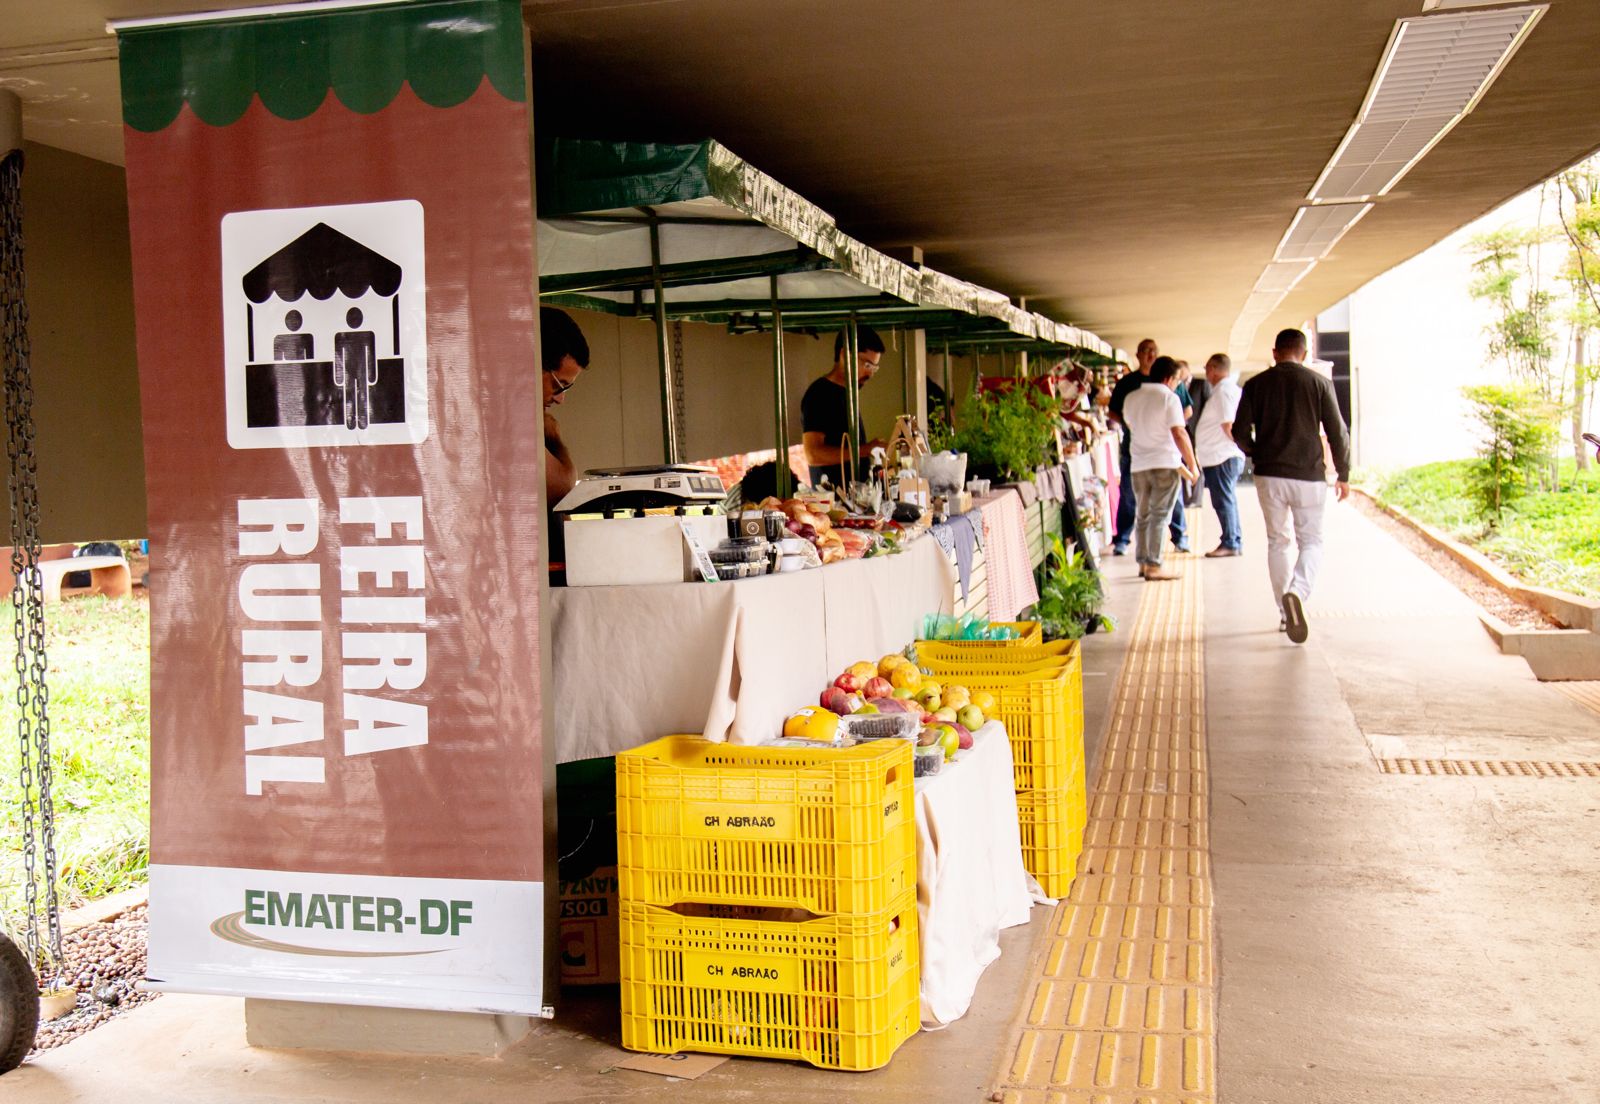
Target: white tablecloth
x: 729, y: 660
x: 970, y: 880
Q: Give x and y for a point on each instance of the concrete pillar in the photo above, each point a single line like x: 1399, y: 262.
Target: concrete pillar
x: 916, y: 354
x: 302, y: 1025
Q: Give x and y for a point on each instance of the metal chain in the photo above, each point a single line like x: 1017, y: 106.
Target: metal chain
x: 677, y: 386
x: 27, y: 596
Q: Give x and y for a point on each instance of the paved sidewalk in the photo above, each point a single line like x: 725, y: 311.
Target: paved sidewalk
x: 1383, y: 937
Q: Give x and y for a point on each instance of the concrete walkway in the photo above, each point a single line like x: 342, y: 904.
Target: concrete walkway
x: 1383, y: 937
x: 1376, y: 937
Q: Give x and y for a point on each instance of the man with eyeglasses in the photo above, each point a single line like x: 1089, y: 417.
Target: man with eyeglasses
x: 823, y: 418
x: 564, y: 353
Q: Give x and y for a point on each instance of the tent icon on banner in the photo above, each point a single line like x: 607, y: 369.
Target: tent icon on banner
x: 328, y: 348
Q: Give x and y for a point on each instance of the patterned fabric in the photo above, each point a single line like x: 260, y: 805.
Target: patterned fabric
x: 1005, y: 542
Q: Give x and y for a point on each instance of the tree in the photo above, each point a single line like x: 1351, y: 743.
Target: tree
x: 1517, y: 429
x: 1521, y: 333
x: 1580, y: 186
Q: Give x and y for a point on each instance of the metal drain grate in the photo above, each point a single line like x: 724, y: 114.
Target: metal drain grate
x: 1586, y: 694
x: 1489, y: 768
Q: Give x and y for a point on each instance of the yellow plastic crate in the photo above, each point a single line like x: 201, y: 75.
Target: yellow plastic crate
x: 1042, y: 711
x: 840, y: 992
x: 827, y: 830
x: 1028, y: 632
x: 1052, y: 823
x: 937, y: 655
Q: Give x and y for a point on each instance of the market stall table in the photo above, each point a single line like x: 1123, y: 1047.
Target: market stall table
x: 727, y: 660
x: 970, y: 879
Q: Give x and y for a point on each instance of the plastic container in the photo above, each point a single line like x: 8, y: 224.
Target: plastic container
x: 1052, y: 824
x: 881, y: 726
x: 1028, y: 633
x: 824, y: 829
x: 840, y: 992
x: 929, y: 760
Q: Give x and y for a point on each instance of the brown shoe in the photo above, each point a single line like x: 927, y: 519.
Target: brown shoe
x: 1154, y: 574
x: 1219, y: 551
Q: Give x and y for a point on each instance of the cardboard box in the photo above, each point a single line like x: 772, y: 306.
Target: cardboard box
x: 590, y: 935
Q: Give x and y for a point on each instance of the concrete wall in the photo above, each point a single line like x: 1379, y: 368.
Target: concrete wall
x: 1417, y: 338
x: 613, y: 415
x: 90, y: 448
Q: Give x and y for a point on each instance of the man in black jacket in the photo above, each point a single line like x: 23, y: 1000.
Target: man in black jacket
x: 1283, y: 415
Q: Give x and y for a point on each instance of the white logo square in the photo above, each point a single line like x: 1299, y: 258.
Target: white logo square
x: 324, y: 316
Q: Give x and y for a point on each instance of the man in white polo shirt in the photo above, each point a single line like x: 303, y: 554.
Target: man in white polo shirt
x: 1161, y: 459
x: 1220, y: 459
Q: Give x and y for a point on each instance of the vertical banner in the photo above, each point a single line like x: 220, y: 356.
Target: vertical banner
x: 333, y: 275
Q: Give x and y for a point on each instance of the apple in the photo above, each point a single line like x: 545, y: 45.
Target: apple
x: 877, y: 688
x: 926, y: 718
x: 945, y: 713
x: 964, y: 736
x: 852, y: 702
x: 970, y: 716
x: 833, y: 700
x: 866, y: 708
x: 887, y: 705
x: 928, y: 696
x: 929, y: 684
x: 904, y: 693
x: 849, y: 683
x: 951, y: 740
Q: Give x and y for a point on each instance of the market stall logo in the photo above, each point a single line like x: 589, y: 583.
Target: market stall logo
x: 325, y: 326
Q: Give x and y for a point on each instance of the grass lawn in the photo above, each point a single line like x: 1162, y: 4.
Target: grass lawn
x: 99, y: 680
x: 1550, y: 538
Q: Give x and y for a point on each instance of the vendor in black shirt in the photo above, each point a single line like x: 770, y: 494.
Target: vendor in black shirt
x: 823, y: 420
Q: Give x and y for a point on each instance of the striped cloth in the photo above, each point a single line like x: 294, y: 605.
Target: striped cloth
x: 1005, y: 550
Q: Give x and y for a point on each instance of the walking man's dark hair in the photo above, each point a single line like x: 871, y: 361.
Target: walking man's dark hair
x: 1163, y: 369
x: 1289, y: 340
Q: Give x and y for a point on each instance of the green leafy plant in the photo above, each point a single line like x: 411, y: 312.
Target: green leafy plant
x: 1070, y: 596
x: 1517, y: 431
x: 1008, y: 434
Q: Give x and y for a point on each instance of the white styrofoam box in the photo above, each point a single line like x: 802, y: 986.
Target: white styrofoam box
x: 634, y: 551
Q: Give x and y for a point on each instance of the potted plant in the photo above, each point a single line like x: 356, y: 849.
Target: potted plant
x: 1007, y: 434
x: 1070, y: 596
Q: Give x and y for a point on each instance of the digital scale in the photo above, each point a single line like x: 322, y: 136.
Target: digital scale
x: 634, y: 526
x: 655, y: 487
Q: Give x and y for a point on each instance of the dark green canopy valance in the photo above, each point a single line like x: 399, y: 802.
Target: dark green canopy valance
x: 442, y: 48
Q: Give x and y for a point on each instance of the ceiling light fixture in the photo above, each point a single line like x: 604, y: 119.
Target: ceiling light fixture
x: 1434, y: 71
x: 1316, y: 230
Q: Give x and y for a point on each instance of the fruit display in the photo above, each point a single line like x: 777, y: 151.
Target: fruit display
x: 892, y: 697
x: 836, y: 534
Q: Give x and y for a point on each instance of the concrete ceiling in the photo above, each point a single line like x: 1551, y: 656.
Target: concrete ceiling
x: 1127, y: 165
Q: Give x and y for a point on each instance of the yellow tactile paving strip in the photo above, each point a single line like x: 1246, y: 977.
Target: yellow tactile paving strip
x: 1123, y: 1010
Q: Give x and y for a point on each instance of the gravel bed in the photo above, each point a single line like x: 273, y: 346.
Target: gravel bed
x: 106, y: 963
x: 1489, y: 597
